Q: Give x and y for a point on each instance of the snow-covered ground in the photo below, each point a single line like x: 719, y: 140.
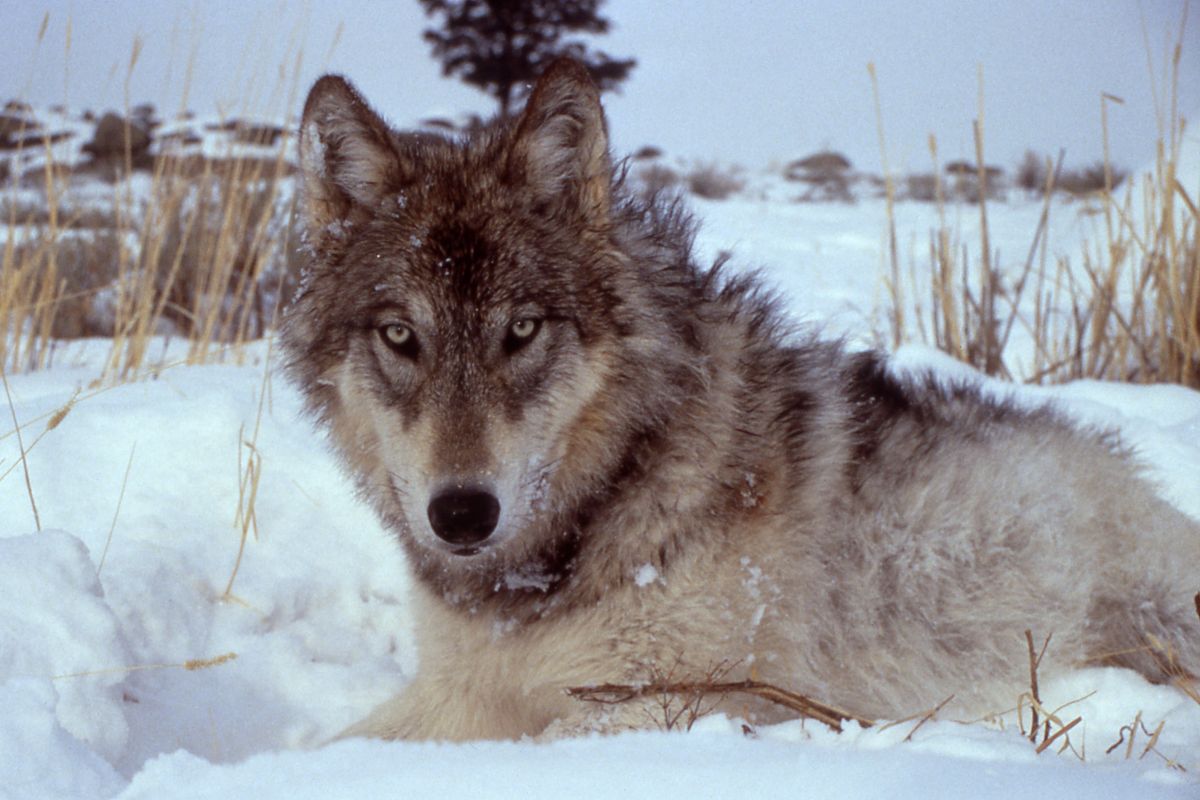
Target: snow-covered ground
x: 134, y: 662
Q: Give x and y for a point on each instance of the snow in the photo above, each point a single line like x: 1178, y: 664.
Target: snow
x: 646, y: 574
x: 716, y: 761
x: 163, y: 674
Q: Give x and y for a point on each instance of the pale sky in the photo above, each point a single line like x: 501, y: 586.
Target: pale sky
x: 749, y: 82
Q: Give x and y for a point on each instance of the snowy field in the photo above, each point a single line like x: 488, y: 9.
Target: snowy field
x: 135, y: 663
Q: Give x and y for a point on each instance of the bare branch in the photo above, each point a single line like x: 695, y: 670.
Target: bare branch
x: 612, y: 693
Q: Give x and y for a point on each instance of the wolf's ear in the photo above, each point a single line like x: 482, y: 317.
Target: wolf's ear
x: 560, y: 150
x: 346, y: 157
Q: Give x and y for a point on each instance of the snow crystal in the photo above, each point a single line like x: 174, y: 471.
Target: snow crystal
x: 312, y: 151
x: 502, y: 628
x: 306, y: 245
x: 753, y: 580
x: 540, y: 490
x: 339, y: 229
x: 306, y: 279
x: 750, y: 497
x: 646, y: 574
x: 515, y: 580
x: 758, y: 615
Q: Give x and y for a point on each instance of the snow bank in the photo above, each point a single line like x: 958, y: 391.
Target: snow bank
x: 39, y: 759
x: 56, y: 624
x: 715, y: 762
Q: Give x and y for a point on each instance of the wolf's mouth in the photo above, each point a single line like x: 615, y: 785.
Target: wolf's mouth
x: 466, y: 551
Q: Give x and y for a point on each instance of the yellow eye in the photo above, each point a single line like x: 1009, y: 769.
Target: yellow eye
x: 401, y: 339
x: 521, y: 333
x: 524, y: 328
x: 398, y: 335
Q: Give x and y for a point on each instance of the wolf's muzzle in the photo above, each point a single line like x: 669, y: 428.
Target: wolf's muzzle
x: 464, y: 516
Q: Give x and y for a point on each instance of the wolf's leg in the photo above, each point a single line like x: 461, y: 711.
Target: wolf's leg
x: 443, y: 710
x: 412, y: 714
x: 432, y: 710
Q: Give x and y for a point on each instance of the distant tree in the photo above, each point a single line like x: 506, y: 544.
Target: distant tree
x: 502, y: 46
x: 1031, y: 172
x: 1094, y: 178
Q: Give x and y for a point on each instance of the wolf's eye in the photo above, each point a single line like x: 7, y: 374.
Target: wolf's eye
x: 400, y: 338
x: 521, y: 333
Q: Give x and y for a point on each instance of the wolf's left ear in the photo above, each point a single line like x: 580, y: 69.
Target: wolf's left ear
x: 560, y: 150
x: 347, y: 160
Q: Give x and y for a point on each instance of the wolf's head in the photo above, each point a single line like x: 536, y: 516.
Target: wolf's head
x: 478, y: 329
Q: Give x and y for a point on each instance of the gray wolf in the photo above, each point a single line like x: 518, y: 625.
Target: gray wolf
x: 602, y: 460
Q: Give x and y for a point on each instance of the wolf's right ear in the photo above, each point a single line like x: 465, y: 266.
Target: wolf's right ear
x: 347, y: 160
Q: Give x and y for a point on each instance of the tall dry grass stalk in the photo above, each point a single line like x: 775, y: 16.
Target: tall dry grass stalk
x: 249, y: 476
x: 894, y: 284
x: 30, y: 286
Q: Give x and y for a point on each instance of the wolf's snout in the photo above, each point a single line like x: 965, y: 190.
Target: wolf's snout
x: 464, y: 516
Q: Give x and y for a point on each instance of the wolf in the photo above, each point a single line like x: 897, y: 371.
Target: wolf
x: 605, y: 462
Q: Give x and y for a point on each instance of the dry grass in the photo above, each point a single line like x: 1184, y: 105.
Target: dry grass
x: 249, y: 475
x: 1048, y: 728
x: 117, y: 512
x: 24, y: 461
x: 211, y: 255
x: 191, y: 665
x: 971, y: 309
x: 921, y: 717
x: 1135, y: 294
x: 1129, y: 734
x: 1126, y: 308
x: 200, y: 250
x: 895, y: 289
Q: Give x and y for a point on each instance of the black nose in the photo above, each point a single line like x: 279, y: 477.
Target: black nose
x: 464, y: 516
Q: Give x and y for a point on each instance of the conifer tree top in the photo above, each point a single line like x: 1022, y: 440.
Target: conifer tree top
x: 502, y: 46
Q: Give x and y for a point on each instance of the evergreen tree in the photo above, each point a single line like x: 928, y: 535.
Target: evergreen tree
x: 502, y: 46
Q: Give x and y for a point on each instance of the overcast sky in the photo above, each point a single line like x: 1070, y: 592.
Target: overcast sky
x: 748, y: 82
